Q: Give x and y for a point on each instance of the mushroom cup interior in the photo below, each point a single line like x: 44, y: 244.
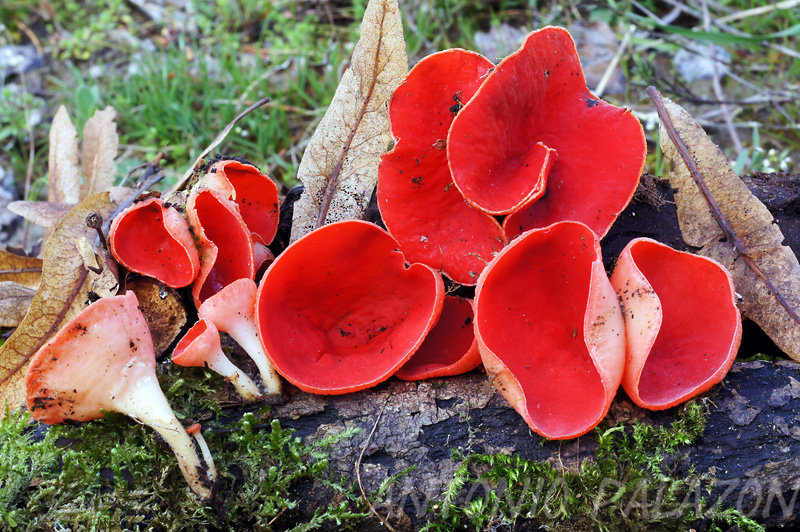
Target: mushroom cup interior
x: 339, y: 311
x: 531, y: 314
x: 700, y: 329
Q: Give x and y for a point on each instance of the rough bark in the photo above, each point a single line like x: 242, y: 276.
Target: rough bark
x: 750, y: 446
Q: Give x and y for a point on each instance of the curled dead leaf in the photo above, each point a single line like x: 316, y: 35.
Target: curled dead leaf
x: 100, y: 144
x: 15, y: 299
x: 163, y: 311
x: 44, y: 213
x: 729, y: 224
x: 64, y: 181
x: 340, y: 165
x: 63, y: 293
x: 25, y: 271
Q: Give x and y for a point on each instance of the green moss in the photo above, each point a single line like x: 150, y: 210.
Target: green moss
x: 626, y: 486
x: 114, y: 474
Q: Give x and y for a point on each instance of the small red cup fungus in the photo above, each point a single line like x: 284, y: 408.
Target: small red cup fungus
x: 253, y: 192
x: 103, y: 360
x: 339, y: 311
x: 682, y: 325
x: 419, y: 204
x: 450, y: 348
x: 550, y: 330
x: 224, y: 240
x: 200, y: 347
x: 154, y: 240
x: 535, y: 101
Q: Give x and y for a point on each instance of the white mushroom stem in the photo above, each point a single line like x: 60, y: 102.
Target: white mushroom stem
x: 145, y: 402
x: 243, y: 384
x: 244, y: 332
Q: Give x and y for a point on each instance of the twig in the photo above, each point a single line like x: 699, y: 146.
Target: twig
x: 358, y: 467
x: 737, y: 143
x: 757, y: 11
x: 156, y: 161
x: 612, y: 65
x: 151, y: 176
x: 716, y: 212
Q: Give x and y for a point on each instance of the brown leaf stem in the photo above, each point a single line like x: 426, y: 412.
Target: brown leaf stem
x: 20, y: 270
x: 716, y: 212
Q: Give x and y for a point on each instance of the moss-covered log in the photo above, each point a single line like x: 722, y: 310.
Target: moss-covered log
x: 747, y: 454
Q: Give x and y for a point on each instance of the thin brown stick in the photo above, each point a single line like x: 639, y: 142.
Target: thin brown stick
x: 20, y: 270
x: 383, y: 521
x: 716, y: 212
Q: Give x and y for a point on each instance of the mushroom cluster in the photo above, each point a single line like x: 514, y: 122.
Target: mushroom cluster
x: 503, y: 178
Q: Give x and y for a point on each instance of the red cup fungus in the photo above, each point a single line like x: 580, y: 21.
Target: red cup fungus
x: 682, y: 325
x: 226, y: 249
x: 449, y: 348
x: 535, y: 101
x: 418, y: 202
x: 253, y: 192
x: 200, y: 347
x: 550, y: 330
x: 103, y: 360
x: 153, y: 239
x: 339, y: 311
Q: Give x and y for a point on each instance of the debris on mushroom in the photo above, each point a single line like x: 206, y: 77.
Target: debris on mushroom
x: 417, y: 199
x: 109, y: 343
x: 339, y: 310
x: 232, y: 311
x: 154, y: 240
x: 550, y: 330
x: 682, y: 325
x: 201, y: 347
x: 196, y: 431
x: 450, y: 348
x: 224, y: 241
x: 533, y: 106
x: 253, y: 192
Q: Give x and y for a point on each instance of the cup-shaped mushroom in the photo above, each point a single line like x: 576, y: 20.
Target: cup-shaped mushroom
x: 450, y: 347
x: 226, y: 249
x: 200, y: 347
x: 550, y: 330
x: 419, y: 204
x: 233, y: 311
x: 536, y: 101
x: 339, y: 310
x: 154, y: 240
x: 103, y: 360
x: 253, y: 192
x: 682, y: 325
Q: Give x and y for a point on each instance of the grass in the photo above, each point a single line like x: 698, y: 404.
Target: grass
x: 177, y: 81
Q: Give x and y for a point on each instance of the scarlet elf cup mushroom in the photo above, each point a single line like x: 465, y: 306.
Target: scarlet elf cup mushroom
x: 534, y: 121
x: 338, y: 311
x: 418, y: 202
x: 109, y: 341
x: 682, y: 325
x: 550, y: 330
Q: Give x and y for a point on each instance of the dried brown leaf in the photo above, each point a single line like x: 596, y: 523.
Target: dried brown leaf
x: 64, y: 181
x: 44, y: 213
x: 14, y: 302
x: 340, y: 165
x: 163, y: 311
x: 762, y: 259
x: 26, y: 271
x: 64, y: 292
x: 99, y: 148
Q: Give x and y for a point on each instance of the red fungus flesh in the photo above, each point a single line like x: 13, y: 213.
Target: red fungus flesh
x: 253, y: 192
x: 537, y: 98
x: 224, y: 241
x: 418, y: 201
x: 450, y: 347
x: 339, y: 311
x: 550, y: 331
x: 154, y: 240
x: 681, y: 319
